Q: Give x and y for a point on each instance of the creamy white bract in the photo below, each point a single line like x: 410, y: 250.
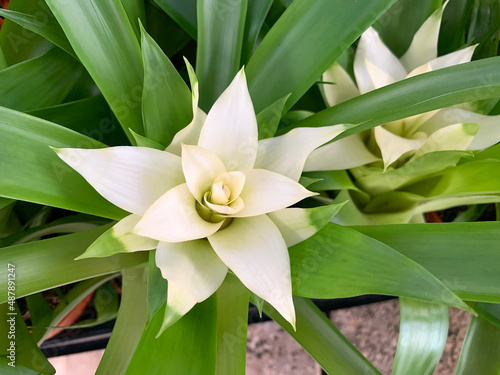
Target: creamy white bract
x: 215, y: 199
x: 399, y: 142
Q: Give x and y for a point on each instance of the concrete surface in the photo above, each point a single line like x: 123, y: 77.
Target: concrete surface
x: 373, y: 329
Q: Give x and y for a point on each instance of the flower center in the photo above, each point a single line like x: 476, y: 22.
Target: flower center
x: 223, y: 198
x: 220, y: 193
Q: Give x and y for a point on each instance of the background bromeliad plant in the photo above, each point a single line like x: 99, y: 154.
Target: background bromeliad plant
x: 83, y: 75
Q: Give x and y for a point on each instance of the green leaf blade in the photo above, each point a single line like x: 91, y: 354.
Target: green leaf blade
x: 297, y: 49
x: 422, y: 337
x: 104, y: 41
x: 166, y: 100
x: 220, y: 40
x: 31, y: 171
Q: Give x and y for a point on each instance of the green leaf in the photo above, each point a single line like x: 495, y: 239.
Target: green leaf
x: 90, y: 116
x: 19, y: 44
x: 31, y: 171
x: 65, y: 225
x: 40, y: 315
x: 269, y: 118
x: 316, y: 334
x: 423, y: 93
x: 110, y: 52
x: 46, y: 264
x: 26, y: 353
x: 400, y: 23
x: 182, y: 12
x: 422, y: 337
x: 166, y: 99
x: 177, y: 350
x: 129, y: 325
x: 256, y: 15
x: 4, y: 202
x: 220, y: 39
x: 232, y: 322
x: 454, y: 26
x: 45, y: 26
x: 74, y: 297
x: 39, y: 82
x: 480, y: 350
x: 474, y: 178
x: 106, y: 301
x: 472, y: 213
x: 157, y: 287
x: 464, y: 256
x: 489, y: 311
x: 9, y: 222
x: 136, y: 12
x: 303, y: 43
x: 3, y: 62
x: 330, y: 180
x: 483, y: 29
x: 146, y: 142
x: 374, y: 180
x: 164, y: 30
x: 341, y: 262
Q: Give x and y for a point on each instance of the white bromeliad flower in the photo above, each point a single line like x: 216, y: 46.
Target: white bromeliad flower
x: 401, y: 142
x: 215, y: 199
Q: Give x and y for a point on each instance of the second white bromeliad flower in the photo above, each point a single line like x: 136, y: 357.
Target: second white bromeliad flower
x: 401, y: 142
x: 217, y: 198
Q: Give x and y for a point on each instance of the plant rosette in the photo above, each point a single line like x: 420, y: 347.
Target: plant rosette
x: 403, y: 152
x: 215, y: 199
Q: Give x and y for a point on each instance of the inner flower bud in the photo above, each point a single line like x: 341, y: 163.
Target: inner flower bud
x: 220, y: 193
x: 223, y: 198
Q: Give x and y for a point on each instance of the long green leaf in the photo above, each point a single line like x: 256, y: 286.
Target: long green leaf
x: 256, y: 14
x: 164, y: 30
x: 341, y: 262
x: 76, y: 295
x: 136, y: 12
x: 3, y: 62
x: 157, y: 287
x: 422, y: 337
x: 19, y: 44
x: 304, y: 42
x: 475, y: 178
x: 26, y: 353
x: 31, y: 171
x: 220, y: 39
x: 129, y: 324
x: 400, y: 23
x: 187, y: 347
x: 182, y: 12
x: 232, y: 322
x: 90, y: 116
x: 473, y: 81
x: 40, y: 315
x: 316, y: 334
x: 454, y: 26
x: 39, y: 82
x: 480, y: 350
x: 166, y: 100
x: 45, y: 26
x: 464, y: 256
x: 46, y: 264
x: 489, y: 311
x: 104, y: 41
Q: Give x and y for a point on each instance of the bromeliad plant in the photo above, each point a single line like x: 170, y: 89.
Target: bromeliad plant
x: 194, y: 210
x: 387, y: 161
x: 227, y: 188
